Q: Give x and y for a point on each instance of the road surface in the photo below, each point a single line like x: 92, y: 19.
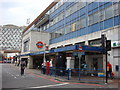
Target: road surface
x: 11, y: 79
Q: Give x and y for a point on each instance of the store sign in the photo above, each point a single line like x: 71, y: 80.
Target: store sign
x: 116, y: 44
x: 39, y: 44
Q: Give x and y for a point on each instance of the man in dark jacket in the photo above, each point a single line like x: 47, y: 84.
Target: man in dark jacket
x: 22, y: 67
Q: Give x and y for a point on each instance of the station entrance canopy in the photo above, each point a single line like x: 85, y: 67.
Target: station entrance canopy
x: 85, y: 48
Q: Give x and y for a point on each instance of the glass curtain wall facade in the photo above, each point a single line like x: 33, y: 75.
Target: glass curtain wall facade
x: 73, y: 19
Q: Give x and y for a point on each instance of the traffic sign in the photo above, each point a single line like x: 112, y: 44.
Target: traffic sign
x: 80, y: 48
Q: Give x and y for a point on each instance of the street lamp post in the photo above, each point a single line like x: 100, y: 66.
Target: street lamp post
x: 80, y: 55
x: 104, y: 39
x: 44, y: 59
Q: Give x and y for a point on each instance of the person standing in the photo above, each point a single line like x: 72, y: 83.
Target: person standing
x: 47, y: 67
x: 109, y: 69
x: 43, y: 68
x: 22, y: 67
x: 51, y: 66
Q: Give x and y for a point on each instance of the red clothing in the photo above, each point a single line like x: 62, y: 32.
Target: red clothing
x: 47, y: 67
x: 109, y: 65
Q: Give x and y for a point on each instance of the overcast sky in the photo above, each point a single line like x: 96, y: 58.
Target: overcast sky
x: 18, y: 11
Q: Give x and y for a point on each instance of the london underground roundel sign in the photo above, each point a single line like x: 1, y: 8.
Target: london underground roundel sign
x: 39, y: 44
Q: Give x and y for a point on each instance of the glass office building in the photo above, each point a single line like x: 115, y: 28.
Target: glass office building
x: 69, y: 20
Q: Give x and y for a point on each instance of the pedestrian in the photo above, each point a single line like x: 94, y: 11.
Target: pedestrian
x: 84, y: 66
x: 51, y: 66
x: 18, y: 63
x: 15, y: 63
x: 22, y: 67
x: 47, y: 67
x: 109, y: 70
x: 42, y: 66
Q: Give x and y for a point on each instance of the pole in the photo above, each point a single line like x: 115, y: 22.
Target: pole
x: 44, y: 59
x: 79, y: 63
x: 106, y: 61
x: 104, y: 40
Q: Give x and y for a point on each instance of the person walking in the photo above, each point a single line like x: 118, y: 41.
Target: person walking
x: 22, y: 67
x: 109, y: 70
x: 84, y: 66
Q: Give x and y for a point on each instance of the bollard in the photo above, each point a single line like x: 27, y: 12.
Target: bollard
x: 51, y: 70
x: 69, y: 74
x: 79, y: 75
x: 55, y: 72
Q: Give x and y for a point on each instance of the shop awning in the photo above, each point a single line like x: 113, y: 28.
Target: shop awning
x: 68, y: 48
x: 36, y: 53
x: 85, y: 48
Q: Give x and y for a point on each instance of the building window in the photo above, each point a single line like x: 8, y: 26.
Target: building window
x: 90, y: 19
x: 59, y: 33
x: 82, y: 23
x: 101, y: 15
x: 80, y: 5
x: 95, y: 17
x: 115, y: 9
x: 73, y: 27
x: 68, y: 29
x: 108, y: 12
x: 26, y: 46
x: 52, y: 35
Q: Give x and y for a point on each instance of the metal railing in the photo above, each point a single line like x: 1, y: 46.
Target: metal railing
x: 76, y: 74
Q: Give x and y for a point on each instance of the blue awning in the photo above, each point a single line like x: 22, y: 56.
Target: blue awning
x: 37, y: 53
x: 68, y: 48
x: 24, y: 54
x: 86, y: 48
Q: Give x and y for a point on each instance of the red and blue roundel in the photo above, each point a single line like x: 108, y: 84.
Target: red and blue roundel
x: 39, y: 44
